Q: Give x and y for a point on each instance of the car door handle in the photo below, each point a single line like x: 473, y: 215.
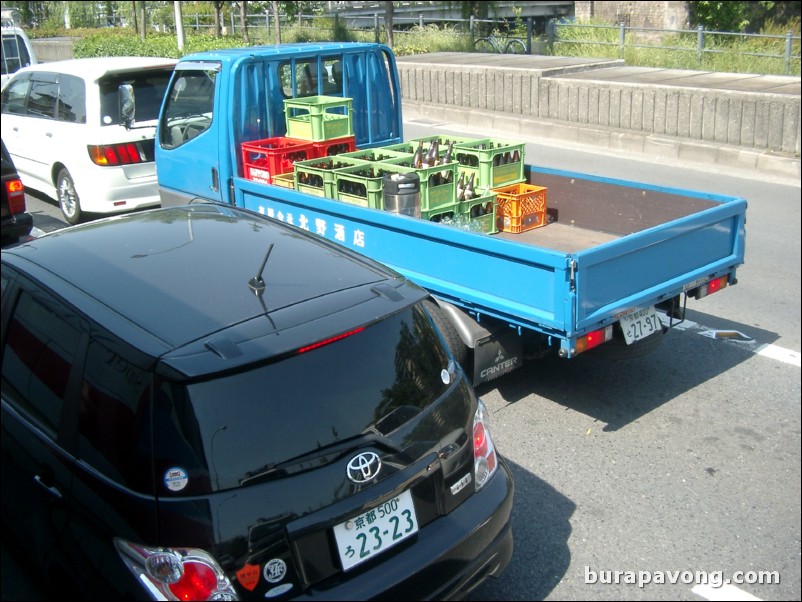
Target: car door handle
x: 50, y: 489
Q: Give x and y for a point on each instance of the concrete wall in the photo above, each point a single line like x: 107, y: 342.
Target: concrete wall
x: 610, y: 96
x: 49, y: 50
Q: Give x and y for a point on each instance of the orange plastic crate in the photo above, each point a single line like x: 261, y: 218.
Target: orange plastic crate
x: 262, y: 160
x: 520, y: 207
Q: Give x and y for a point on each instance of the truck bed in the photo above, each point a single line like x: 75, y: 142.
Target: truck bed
x: 611, y: 247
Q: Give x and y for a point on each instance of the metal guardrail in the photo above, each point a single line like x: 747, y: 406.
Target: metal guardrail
x: 706, y: 42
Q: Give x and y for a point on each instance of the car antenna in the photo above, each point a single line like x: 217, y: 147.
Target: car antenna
x: 257, y: 284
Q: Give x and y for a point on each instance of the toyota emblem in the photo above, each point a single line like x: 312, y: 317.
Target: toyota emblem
x: 364, y: 467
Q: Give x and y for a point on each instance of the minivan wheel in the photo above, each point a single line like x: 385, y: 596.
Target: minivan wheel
x: 68, y: 198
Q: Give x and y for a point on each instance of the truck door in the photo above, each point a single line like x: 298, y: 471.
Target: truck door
x: 187, y: 154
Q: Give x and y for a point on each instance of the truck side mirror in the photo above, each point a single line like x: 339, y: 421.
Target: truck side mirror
x: 127, y: 104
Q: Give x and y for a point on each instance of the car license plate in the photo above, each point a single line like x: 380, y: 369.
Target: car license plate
x: 640, y: 324
x: 376, y: 530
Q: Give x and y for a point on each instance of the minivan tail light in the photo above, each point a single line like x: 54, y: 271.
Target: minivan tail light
x: 176, y: 573
x: 485, y: 460
x: 16, y: 196
x: 107, y: 155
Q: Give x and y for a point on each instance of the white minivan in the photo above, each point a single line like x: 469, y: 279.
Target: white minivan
x: 71, y: 131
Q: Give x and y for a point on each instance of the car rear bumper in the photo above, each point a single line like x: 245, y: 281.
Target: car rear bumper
x: 17, y: 226
x: 452, y: 555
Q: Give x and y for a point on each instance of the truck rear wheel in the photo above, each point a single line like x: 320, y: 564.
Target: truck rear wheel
x: 459, y: 351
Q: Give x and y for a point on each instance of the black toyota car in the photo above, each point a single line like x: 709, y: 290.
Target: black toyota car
x: 201, y: 403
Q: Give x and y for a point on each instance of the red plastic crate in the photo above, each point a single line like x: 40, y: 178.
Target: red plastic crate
x: 264, y: 159
x: 335, y: 146
x: 520, y: 207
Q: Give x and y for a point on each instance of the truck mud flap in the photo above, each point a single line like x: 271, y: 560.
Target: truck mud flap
x: 497, y: 355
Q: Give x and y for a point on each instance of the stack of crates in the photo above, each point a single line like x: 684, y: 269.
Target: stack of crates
x: 520, y: 207
x: 493, y: 163
x: 263, y: 160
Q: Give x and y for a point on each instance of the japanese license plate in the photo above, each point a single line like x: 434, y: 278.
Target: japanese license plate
x: 376, y: 530
x: 640, y: 324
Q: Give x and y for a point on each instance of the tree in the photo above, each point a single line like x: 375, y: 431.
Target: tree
x: 742, y: 16
x: 388, y: 21
x: 276, y: 24
x: 243, y: 11
x: 133, y: 14
x: 217, y: 7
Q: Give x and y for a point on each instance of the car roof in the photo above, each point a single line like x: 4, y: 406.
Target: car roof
x: 93, y: 68
x: 182, y: 274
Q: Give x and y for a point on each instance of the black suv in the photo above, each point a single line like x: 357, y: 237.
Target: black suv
x: 16, y: 223
x: 203, y: 403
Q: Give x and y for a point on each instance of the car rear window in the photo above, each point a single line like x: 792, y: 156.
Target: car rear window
x: 374, y: 380
x: 149, y: 90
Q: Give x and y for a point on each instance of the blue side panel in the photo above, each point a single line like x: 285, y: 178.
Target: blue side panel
x: 527, y: 286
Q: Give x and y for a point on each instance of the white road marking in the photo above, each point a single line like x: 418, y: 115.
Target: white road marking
x: 774, y: 352
x: 725, y: 592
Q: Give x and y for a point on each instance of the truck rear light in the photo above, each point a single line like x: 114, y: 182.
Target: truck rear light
x: 176, y: 573
x: 594, y: 339
x: 485, y: 460
x: 709, y: 288
x: 15, y: 192
x: 108, y: 155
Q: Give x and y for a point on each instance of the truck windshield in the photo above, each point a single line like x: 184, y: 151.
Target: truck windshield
x: 189, y: 109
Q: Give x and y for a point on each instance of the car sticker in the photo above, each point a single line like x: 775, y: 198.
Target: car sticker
x: 248, y: 576
x: 278, y: 590
x: 175, y: 478
x: 275, y: 570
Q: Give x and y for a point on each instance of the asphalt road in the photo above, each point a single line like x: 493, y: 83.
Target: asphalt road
x: 681, y: 468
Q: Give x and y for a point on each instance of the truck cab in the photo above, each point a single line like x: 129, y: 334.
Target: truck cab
x: 217, y: 100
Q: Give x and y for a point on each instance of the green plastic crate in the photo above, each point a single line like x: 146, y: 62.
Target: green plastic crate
x: 479, y: 214
x: 377, y: 155
x: 445, y: 214
x: 435, y: 192
x: 492, y: 161
x: 352, y: 186
x: 316, y: 176
x: 318, y: 118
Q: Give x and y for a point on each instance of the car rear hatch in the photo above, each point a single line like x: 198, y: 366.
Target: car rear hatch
x: 307, y: 469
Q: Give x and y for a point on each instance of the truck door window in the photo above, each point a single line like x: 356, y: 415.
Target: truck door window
x: 189, y: 110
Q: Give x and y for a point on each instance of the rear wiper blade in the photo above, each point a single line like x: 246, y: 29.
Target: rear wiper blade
x: 317, y: 458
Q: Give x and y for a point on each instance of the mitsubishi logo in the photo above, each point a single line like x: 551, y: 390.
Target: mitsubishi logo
x: 499, y: 357
x: 364, y: 467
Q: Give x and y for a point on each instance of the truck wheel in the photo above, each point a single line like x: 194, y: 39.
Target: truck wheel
x: 67, y: 198
x: 459, y: 351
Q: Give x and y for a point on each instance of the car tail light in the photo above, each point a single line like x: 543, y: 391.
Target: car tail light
x: 16, y: 196
x: 485, y: 460
x: 176, y: 573
x: 594, y: 339
x: 709, y: 288
x: 118, y: 154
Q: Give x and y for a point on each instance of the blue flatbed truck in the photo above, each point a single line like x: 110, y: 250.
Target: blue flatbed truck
x: 612, y: 271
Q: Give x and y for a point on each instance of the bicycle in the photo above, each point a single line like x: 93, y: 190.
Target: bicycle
x: 493, y: 43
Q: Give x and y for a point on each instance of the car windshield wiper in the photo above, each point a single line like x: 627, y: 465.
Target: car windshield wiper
x: 317, y: 458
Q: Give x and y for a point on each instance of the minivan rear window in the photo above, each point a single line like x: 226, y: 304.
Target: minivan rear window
x: 372, y: 381
x: 149, y: 90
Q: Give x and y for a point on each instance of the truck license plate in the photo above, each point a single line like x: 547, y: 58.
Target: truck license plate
x: 376, y: 530
x: 640, y: 324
